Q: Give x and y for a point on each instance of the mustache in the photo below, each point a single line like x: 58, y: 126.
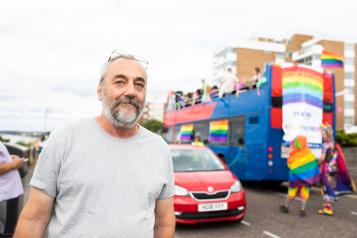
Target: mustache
x: 127, y: 100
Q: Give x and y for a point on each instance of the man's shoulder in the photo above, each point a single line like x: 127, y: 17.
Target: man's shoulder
x: 152, y: 136
x: 72, y: 127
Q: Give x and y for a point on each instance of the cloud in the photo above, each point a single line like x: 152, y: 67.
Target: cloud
x: 52, y: 51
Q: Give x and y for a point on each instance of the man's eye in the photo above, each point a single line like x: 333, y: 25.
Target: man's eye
x: 139, y: 85
x: 119, y: 82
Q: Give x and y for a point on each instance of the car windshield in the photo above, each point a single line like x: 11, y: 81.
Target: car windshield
x: 193, y: 160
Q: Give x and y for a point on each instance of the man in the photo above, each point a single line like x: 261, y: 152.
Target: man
x: 10, y: 181
x: 104, y: 176
x: 228, y: 83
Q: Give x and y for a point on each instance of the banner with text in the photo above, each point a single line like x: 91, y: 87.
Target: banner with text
x: 302, y: 105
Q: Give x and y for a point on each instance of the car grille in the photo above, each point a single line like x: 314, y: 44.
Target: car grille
x: 206, y: 196
x: 208, y: 215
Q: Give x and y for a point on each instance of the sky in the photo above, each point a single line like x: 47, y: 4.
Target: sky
x: 51, y: 52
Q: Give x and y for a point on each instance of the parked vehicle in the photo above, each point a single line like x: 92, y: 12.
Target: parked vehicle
x: 206, y: 190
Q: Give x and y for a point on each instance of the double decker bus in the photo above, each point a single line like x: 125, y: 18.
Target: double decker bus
x: 247, y: 130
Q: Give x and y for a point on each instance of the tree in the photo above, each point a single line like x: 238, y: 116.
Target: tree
x: 4, y: 139
x: 153, y: 125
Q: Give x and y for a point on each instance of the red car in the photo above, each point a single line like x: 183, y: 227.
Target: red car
x: 206, y: 191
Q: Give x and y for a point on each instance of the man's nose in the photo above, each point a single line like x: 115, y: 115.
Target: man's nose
x: 130, y: 90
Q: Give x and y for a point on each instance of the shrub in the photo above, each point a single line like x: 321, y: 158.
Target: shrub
x: 345, y: 139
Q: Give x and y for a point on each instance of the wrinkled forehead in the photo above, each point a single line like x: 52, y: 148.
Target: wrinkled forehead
x: 131, y: 68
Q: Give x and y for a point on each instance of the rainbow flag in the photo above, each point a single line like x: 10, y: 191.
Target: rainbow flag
x: 304, y: 168
x: 302, y: 86
x: 186, y: 133
x: 302, y: 104
x: 344, y: 183
x: 218, y: 131
x: 331, y: 60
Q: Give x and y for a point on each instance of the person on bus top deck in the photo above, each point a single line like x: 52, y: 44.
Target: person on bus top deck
x: 228, y: 83
x: 104, y: 176
x: 214, y: 92
x: 328, y: 169
x: 206, y: 90
x: 303, y: 172
x: 197, y: 140
x: 256, y: 75
x: 197, y: 96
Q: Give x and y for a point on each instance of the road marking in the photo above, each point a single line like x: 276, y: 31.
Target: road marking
x: 354, y: 213
x: 270, y: 234
x: 246, y: 223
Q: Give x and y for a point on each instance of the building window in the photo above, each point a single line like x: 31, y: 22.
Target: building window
x: 349, y: 83
x: 316, y: 57
x: 349, y: 121
x: 349, y: 105
x: 349, y: 75
x: 349, y: 90
x: 349, y: 47
x: 349, y: 61
x: 307, y: 60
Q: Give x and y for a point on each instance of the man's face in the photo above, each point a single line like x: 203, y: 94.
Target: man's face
x: 123, y: 92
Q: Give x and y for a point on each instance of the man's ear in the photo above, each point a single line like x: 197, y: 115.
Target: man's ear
x: 99, y: 92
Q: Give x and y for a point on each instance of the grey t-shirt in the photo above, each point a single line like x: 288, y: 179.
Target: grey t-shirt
x: 103, y: 186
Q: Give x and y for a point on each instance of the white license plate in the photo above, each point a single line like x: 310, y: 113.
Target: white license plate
x: 208, y: 207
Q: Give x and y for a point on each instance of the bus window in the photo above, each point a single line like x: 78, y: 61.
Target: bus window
x: 202, y: 128
x: 237, y: 128
x: 218, y: 132
x: 176, y: 134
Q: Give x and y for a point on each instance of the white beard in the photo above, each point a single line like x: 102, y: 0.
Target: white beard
x: 121, y: 118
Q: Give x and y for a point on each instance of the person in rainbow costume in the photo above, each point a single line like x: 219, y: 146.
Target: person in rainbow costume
x: 304, y: 171
x: 328, y: 167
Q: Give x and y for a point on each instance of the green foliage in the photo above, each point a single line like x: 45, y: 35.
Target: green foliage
x: 153, y: 125
x: 4, y: 139
x: 23, y: 143
x: 345, y: 139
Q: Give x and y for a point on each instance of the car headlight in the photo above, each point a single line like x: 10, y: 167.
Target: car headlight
x: 180, y: 191
x: 236, y: 187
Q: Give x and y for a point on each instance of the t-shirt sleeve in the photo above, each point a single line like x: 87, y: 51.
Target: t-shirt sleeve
x: 168, y: 190
x: 48, y: 164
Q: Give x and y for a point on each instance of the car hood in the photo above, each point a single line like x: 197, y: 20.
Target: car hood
x: 200, y: 181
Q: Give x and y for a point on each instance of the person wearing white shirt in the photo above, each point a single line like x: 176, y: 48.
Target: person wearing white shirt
x: 228, y: 82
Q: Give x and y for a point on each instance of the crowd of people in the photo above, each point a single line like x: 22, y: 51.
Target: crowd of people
x: 305, y: 171
x: 228, y: 85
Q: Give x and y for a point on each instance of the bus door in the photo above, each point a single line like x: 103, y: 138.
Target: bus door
x: 255, y: 139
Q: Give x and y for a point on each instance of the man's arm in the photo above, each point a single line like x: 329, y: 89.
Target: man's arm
x: 16, y: 163
x: 164, y: 219
x: 35, y: 215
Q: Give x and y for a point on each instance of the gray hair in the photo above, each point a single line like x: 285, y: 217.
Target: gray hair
x: 104, y: 68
